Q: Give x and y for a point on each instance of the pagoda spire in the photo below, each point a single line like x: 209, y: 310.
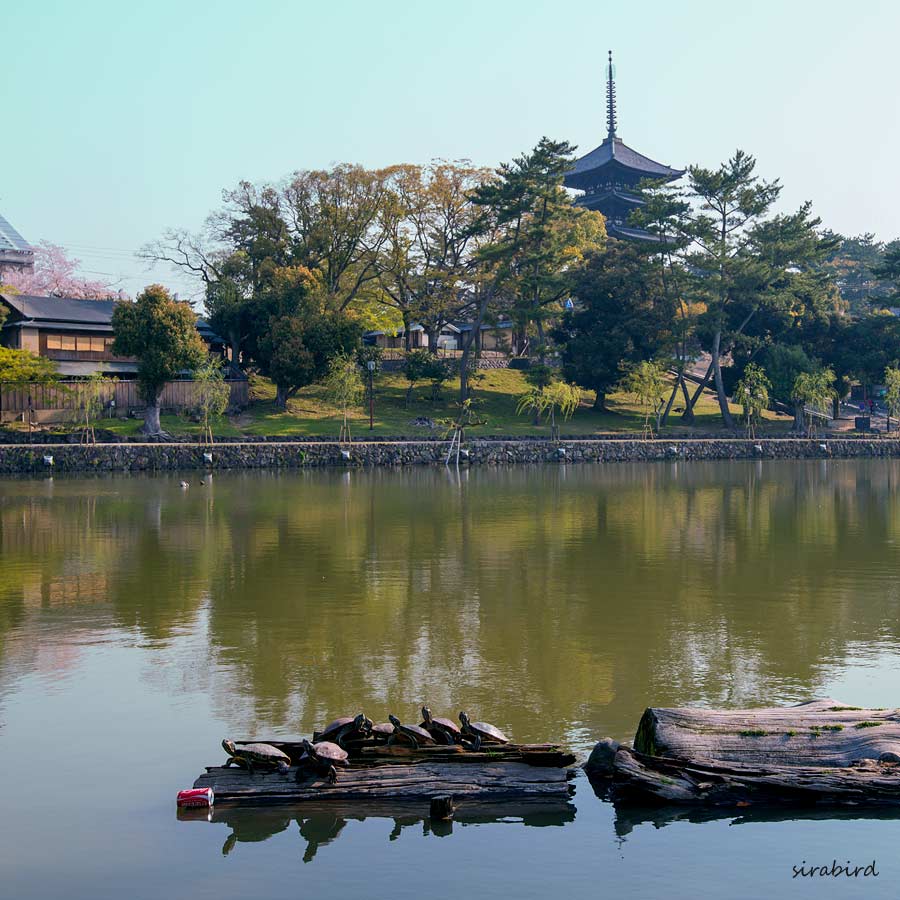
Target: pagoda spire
x: 611, y: 99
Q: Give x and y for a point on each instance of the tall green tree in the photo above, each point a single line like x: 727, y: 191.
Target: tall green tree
x: 887, y: 273
x: 295, y: 335
x: 621, y: 315
x: 161, y: 334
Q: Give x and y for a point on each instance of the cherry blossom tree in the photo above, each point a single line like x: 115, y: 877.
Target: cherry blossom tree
x: 57, y: 274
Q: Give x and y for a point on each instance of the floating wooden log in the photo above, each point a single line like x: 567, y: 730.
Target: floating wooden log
x: 819, y: 733
x: 637, y: 776
x: 420, y: 779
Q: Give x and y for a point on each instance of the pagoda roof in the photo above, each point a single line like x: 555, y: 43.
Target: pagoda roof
x: 615, y: 150
x: 10, y: 239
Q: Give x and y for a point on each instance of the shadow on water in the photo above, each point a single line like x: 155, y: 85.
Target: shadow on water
x: 320, y: 824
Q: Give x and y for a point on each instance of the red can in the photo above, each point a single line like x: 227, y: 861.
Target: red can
x: 195, y: 797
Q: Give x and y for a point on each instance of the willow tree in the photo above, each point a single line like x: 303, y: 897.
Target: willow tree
x: 647, y: 383
x: 211, y: 395
x: 344, y: 388
x: 811, y: 394
x: 161, y: 334
x: 752, y: 392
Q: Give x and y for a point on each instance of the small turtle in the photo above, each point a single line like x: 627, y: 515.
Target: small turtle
x: 382, y: 732
x: 413, y: 733
x: 251, y: 755
x: 346, y: 727
x: 444, y: 731
x: 482, y: 732
x: 322, y: 757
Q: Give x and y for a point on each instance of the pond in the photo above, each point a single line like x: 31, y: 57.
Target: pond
x: 140, y: 623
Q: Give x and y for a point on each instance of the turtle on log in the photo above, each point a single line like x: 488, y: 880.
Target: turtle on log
x: 444, y: 731
x: 322, y: 757
x: 482, y: 732
x: 341, y: 729
x: 412, y: 733
x: 252, y: 755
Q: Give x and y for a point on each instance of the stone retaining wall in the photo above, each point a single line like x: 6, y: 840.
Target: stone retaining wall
x: 149, y: 457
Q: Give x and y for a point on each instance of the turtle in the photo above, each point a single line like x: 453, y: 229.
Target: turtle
x: 482, y: 732
x: 444, y: 731
x: 346, y: 727
x: 382, y: 732
x: 413, y: 733
x: 251, y: 755
x: 322, y: 757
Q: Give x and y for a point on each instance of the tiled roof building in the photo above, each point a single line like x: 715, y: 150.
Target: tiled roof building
x: 15, y: 251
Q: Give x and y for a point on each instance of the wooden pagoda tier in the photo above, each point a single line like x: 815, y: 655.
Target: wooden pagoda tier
x: 609, y: 174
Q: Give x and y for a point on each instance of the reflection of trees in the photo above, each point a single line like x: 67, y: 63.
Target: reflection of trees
x: 553, y: 601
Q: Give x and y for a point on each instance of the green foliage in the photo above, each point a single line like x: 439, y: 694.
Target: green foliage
x: 887, y: 273
x: 424, y: 366
x: 813, y: 391
x: 853, y: 264
x: 892, y: 390
x: 19, y: 367
x: 782, y: 365
x: 89, y: 395
x: 161, y: 334
x: 622, y: 315
x: 535, y: 236
x: 343, y: 383
x: 296, y: 336
x: 558, y: 396
x: 752, y: 392
x: 211, y: 394
x: 646, y: 382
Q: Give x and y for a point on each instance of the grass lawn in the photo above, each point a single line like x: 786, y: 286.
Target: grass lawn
x: 496, y: 391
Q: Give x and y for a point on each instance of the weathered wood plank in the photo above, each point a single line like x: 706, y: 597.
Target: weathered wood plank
x: 820, y: 733
x: 420, y: 780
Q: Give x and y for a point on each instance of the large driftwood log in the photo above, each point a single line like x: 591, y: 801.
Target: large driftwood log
x: 820, y: 733
x: 637, y: 776
x: 403, y: 782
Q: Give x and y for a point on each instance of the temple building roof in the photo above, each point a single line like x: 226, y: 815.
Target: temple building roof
x: 610, y: 172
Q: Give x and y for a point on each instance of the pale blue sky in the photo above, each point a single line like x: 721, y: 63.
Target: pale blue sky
x: 122, y: 119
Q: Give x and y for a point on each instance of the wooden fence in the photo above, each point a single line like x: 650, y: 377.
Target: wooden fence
x: 59, y: 402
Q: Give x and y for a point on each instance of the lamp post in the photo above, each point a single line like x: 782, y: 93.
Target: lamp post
x: 370, y: 365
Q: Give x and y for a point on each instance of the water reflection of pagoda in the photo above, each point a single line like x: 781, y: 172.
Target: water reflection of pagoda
x: 609, y: 174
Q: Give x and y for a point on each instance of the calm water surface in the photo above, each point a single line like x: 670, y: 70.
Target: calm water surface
x: 140, y: 624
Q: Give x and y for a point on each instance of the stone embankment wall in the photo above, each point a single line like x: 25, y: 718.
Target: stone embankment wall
x: 30, y: 459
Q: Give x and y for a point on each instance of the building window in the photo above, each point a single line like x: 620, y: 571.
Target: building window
x: 54, y: 342
x: 67, y: 342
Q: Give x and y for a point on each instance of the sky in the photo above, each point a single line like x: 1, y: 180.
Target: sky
x: 124, y: 119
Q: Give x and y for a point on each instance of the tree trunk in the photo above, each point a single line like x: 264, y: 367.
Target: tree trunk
x: 664, y: 419
x: 720, y: 387
x: 799, y: 418
x: 151, y: 417
x: 835, y: 407
x: 600, y: 402
x: 433, y: 339
x: 688, y: 415
x: 281, y: 396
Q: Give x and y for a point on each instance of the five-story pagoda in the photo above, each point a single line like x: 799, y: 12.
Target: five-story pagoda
x: 609, y: 174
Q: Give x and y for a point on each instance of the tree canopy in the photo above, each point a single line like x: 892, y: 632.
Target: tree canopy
x: 161, y: 334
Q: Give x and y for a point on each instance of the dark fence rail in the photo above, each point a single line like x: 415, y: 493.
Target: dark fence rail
x: 118, y: 397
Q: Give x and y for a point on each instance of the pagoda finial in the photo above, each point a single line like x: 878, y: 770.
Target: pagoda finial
x: 611, y: 99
